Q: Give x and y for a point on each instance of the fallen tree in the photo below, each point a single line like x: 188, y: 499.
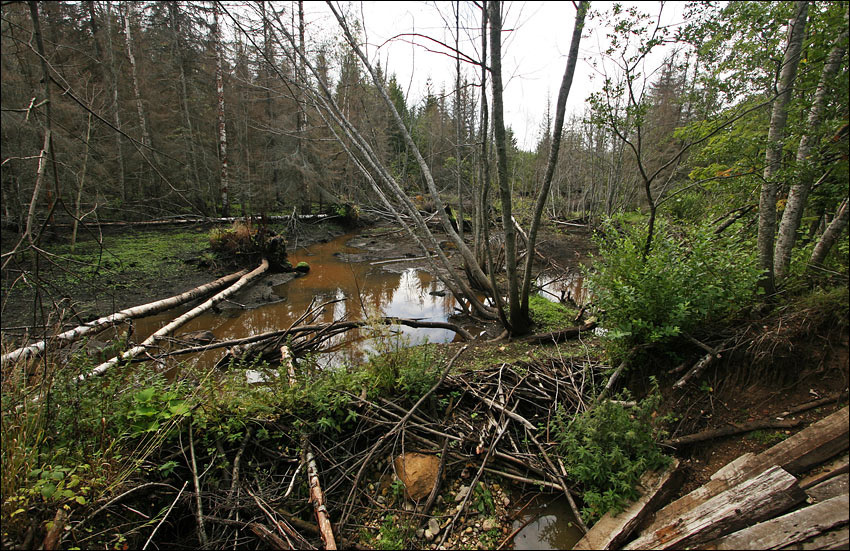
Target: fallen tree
x: 129, y: 313
x: 193, y: 313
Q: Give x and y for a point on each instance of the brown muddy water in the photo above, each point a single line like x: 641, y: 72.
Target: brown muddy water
x: 552, y: 525
x: 366, y: 290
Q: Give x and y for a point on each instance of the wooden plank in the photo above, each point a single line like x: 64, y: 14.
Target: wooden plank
x: 835, y: 486
x: 836, y: 467
x: 733, y: 469
x: 761, y: 497
x: 788, y: 529
x: 810, y: 446
x: 612, y: 530
x: 838, y: 538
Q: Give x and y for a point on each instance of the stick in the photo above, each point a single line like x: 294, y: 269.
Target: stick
x: 173, y: 503
x: 732, y: 429
x: 400, y: 423
x: 317, y: 498
x: 202, y: 533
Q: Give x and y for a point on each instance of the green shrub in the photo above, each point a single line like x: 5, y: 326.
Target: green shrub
x: 607, y: 449
x: 548, y: 315
x: 685, y: 280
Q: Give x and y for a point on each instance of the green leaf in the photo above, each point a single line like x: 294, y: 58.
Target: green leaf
x: 47, y: 490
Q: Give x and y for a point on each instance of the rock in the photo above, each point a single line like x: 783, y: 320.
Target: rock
x: 418, y: 472
x: 428, y: 535
x: 302, y: 267
x: 468, y: 530
x: 408, y: 507
x: 489, y: 524
x: 434, y: 526
x: 381, y: 500
x: 420, y: 533
x: 506, y: 501
x: 461, y: 493
x: 440, y: 500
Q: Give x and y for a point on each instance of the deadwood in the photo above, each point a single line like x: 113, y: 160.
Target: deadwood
x: 191, y: 314
x: 129, y: 313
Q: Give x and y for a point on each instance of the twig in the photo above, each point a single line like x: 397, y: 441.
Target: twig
x: 317, y: 498
x: 173, y: 503
x: 199, y: 511
x: 400, y: 423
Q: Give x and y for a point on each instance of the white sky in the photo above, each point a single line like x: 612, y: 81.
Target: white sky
x: 534, y: 51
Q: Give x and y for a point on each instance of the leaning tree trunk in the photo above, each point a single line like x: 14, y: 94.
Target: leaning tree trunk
x: 191, y: 314
x: 116, y: 115
x: 555, y: 145
x: 799, y: 191
x: 830, y: 236
x: 775, y: 140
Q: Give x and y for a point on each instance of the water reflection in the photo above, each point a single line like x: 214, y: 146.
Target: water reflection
x: 560, y: 287
x: 363, y: 291
x: 553, y: 528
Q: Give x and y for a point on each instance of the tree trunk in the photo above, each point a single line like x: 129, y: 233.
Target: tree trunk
x: 140, y: 109
x: 554, y: 149
x: 775, y: 141
x: 116, y: 115
x: 799, y: 192
x: 129, y: 313
x: 518, y: 321
x: 80, y: 185
x: 191, y: 314
x: 222, y: 130
x: 830, y: 236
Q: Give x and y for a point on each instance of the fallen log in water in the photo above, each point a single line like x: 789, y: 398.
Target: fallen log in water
x: 193, y: 313
x: 129, y: 313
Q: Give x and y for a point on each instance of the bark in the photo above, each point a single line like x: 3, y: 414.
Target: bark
x: 191, y: 314
x: 554, y: 149
x: 830, y: 236
x: 116, y: 115
x: 317, y: 498
x: 518, y: 322
x: 80, y: 186
x: 112, y: 319
x: 222, y: 130
x: 799, y: 192
x: 140, y: 109
x: 775, y: 141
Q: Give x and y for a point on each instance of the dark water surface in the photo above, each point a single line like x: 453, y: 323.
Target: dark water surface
x: 366, y: 291
x: 553, y: 526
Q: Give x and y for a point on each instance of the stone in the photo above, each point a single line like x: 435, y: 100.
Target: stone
x: 440, y: 500
x: 408, y: 507
x: 420, y: 533
x: 489, y: 524
x: 468, y: 530
x: 434, y: 526
x: 428, y: 535
x: 418, y: 472
x: 461, y: 493
x: 381, y: 500
x: 506, y: 501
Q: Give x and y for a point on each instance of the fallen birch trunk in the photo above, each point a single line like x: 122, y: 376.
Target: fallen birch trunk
x: 317, y: 498
x: 117, y: 317
x: 193, y: 313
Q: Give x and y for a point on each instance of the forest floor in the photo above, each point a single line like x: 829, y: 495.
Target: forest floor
x: 801, y: 366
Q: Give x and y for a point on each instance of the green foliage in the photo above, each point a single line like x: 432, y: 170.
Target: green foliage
x: 393, y: 534
x: 686, y: 280
x: 482, y: 499
x: 766, y: 437
x: 548, y: 315
x: 607, y: 449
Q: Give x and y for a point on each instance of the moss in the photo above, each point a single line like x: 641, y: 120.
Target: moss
x: 548, y: 315
x: 302, y: 267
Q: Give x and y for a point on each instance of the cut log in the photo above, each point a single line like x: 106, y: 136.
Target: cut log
x: 191, y: 314
x: 731, y: 429
x: 828, y: 489
x: 788, y: 529
x: 810, y: 446
x: 764, y: 496
x: 838, y: 538
x: 611, y: 531
x: 117, y: 317
x: 562, y: 335
x: 836, y: 467
x: 317, y: 498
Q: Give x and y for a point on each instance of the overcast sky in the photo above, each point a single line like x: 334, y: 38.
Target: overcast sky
x: 534, y: 50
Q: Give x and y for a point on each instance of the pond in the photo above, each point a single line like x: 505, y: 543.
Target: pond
x: 549, y: 524
x: 364, y: 289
